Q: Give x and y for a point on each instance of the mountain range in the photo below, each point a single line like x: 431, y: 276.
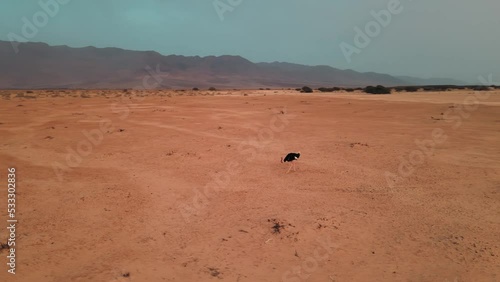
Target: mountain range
x: 38, y: 65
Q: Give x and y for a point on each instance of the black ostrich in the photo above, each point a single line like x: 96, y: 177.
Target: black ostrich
x: 290, y: 158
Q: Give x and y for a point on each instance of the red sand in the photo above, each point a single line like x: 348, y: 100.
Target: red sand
x: 119, y: 213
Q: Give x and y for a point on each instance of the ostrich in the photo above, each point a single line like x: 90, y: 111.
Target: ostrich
x: 290, y: 158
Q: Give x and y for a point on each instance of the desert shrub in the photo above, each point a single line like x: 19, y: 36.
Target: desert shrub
x: 307, y: 89
x: 329, y: 89
x: 411, y: 88
x: 195, y: 89
x: 325, y: 89
x: 349, y: 89
x: 298, y: 89
x: 438, y: 88
x: 212, y: 89
x: 481, y: 88
x: 379, y: 89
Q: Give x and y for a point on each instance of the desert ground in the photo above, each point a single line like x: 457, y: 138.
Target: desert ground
x: 188, y: 185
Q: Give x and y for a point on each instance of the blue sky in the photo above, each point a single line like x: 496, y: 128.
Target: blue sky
x: 447, y: 38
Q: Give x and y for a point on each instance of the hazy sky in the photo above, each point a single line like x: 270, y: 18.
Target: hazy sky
x: 426, y: 38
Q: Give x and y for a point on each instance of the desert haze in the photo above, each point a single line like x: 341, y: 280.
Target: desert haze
x: 158, y: 185
x: 38, y: 65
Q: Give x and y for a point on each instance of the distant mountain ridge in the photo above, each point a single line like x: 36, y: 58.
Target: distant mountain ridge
x: 430, y: 81
x: 38, y: 65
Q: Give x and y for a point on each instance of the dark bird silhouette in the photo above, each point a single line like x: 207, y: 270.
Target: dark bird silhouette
x: 291, y: 157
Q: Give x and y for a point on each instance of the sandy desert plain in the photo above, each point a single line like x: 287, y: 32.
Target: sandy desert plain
x: 188, y: 186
